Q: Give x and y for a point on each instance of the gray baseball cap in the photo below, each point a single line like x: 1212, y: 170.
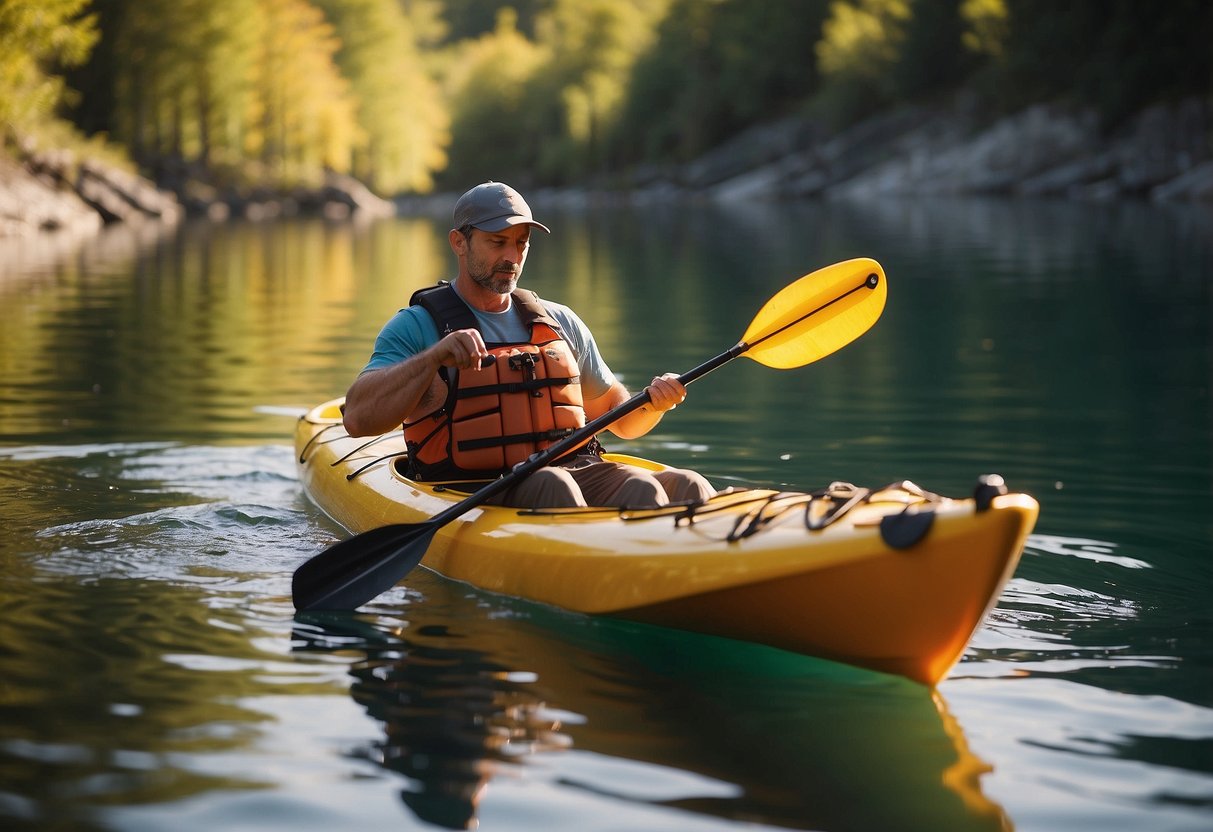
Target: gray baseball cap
x: 493, y: 206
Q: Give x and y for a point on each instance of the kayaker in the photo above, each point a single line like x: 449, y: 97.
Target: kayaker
x: 457, y: 411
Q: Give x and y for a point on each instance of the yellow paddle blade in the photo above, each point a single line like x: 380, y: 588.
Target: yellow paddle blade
x: 818, y: 314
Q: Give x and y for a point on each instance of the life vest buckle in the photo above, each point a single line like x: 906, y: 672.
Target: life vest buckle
x: 525, y: 362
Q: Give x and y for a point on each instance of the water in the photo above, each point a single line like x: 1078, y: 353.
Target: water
x: 153, y: 676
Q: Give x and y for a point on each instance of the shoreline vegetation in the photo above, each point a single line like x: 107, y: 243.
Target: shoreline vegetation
x: 1045, y: 151
x: 123, y: 112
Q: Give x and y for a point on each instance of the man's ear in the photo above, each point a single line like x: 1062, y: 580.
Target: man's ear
x: 459, y: 243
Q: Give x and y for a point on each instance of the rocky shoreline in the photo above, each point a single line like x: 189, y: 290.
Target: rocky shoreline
x: 1164, y: 154
x: 49, y: 191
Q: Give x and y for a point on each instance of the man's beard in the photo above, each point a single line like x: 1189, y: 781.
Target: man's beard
x: 500, y: 282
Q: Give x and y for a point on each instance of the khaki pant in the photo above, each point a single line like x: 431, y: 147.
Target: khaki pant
x: 587, y: 480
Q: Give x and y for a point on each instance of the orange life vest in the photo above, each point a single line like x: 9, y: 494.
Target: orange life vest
x: 495, y: 417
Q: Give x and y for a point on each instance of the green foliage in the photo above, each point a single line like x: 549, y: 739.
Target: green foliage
x: 715, y: 68
x: 859, y: 53
x: 1117, y: 56
x: 472, y: 19
x: 862, y: 39
x: 409, y: 93
x: 932, y: 56
x: 305, y: 115
x: 578, y: 94
x: 37, y: 39
x: 544, y: 110
x: 399, y: 107
x: 985, y: 26
x: 238, y: 87
x: 486, y: 87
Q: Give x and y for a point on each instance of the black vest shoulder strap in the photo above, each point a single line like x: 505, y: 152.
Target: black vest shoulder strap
x: 446, y: 308
x: 450, y: 312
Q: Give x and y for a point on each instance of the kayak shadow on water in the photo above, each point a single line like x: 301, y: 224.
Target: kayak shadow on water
x: 531, y: 691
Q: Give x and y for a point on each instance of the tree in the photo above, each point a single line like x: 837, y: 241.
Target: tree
x: 931, y: 57
x: 487, y: 82
x: 217, y: 84
x: 399, y: 109
x: 183, y: 77
x: 1118, y: 56
x: 303, y: 107
x: 716, y: 67
x: 860, y: 46
x: 578, y: 96
x: 37, y: 39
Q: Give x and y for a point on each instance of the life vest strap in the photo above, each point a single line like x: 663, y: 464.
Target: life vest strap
x: 450, y: 312
x: 515, y: 386
x: 554, y: 435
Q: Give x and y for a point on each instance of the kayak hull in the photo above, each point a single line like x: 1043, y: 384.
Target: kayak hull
x: 897, y: 581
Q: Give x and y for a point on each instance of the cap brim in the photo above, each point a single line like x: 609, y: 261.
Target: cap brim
x: 502, y: 223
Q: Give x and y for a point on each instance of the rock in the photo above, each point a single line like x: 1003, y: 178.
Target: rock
x: 751, y: 149
x: 1044, y: 150
x: 1193, y: 185
x: 113, y: 194
x: 765, y: 183
x: 339, y: 197
x: 342, y: 190
x: 947, y: 159
x: 199, y: 199
x: 1064, y: 179
x: 29, y: 204
x: 1162, y: 143
x: 125, y: 194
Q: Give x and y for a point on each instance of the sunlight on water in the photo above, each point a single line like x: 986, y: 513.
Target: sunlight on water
x: 1099, y: 551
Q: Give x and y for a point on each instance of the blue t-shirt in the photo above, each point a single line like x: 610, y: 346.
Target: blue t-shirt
x: 412, y: 330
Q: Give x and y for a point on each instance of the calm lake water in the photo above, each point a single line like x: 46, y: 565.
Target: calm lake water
x: 153, y: 675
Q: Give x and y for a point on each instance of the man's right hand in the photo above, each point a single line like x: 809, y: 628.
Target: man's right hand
x: 462, y: 349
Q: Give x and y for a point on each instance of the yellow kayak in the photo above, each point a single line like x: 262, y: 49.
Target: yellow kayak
x: 894, y: 579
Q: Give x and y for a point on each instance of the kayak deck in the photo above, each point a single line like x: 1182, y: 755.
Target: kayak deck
x: 894, y: 579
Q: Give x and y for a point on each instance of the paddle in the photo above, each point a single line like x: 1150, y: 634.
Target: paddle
x: 807, y: 320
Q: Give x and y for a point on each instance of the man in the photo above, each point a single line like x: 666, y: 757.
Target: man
x: 482, y: 374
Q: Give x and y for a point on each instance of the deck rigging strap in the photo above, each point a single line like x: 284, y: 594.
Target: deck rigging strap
x: 316, y: 436
x: 358, y: 471
x: 763, y: 510
x: 314, y: 440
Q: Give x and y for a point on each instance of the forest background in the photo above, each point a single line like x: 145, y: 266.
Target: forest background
x: 409, y: 96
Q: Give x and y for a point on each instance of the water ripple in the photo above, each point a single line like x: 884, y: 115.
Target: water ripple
x: 1099, y: 551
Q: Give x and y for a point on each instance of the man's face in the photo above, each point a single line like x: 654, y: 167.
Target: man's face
x: 495, y: 258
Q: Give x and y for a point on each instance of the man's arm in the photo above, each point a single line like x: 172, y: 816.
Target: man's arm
x: 380, y: 400
x: 665, y: 393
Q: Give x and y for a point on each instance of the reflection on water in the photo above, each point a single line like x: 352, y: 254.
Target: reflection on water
x: 178, y: 333
x: 451, y: 715
x: 770, y: 737
x: 104, y: 703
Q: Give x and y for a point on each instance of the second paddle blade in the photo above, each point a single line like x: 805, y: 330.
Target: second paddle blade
x: 353, y: 571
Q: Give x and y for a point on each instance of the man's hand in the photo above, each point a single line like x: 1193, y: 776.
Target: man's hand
x: 666, y: 392
x: 463, y: 349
